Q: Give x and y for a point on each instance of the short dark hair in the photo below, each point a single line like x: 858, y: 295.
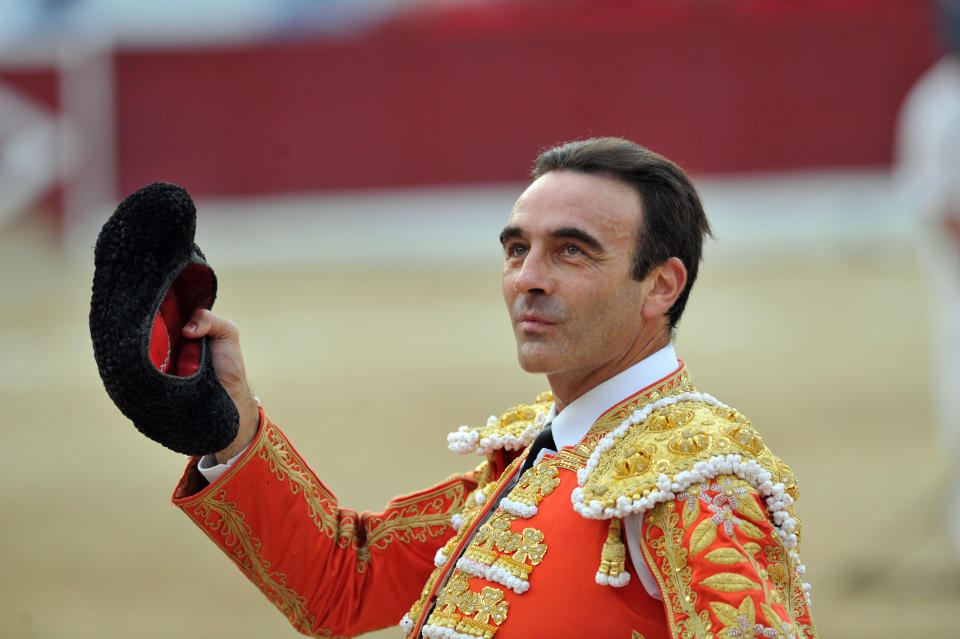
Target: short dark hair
x: 673, y: 223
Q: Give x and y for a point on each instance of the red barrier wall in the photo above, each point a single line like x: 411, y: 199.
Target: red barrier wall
x: 469, y: 96
x: 36, y: 84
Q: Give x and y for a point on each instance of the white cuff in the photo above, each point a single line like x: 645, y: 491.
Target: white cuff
x: 210, y: 469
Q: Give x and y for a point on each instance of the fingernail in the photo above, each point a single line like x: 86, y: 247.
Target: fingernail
x: 191, y: 327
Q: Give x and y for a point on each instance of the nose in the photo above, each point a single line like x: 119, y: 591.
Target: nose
x: 534, y: 276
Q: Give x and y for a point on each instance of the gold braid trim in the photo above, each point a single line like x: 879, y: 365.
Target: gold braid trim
x: 321, y: 503
x: 224, y: 522
x: 676, y: 577
x: 415, y: 518
x: 513, y: 430
x: 673, y: 440
x: 679, y: 545
x: 576, y: 457
x: 407, y: 519
x: 613, y: 555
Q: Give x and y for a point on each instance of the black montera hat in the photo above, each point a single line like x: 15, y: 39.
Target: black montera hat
x: 149, y: 279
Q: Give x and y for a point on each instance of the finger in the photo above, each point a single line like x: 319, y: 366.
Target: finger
x: 199, y: 324
x: 205, y: 322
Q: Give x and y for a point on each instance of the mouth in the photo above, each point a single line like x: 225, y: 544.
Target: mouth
x: 532, y: 323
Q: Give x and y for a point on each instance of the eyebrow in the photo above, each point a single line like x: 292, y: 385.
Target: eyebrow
x: 566, y: 232
x: 572, y: 232
x: 509, y: 232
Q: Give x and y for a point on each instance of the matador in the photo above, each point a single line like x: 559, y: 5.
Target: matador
x: 623, y: 502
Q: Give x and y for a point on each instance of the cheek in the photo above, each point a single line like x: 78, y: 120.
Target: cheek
x: 614, y: 313
x: 506, y: 287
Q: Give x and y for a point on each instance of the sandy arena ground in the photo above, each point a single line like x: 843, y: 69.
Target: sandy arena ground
x: 368, y: 369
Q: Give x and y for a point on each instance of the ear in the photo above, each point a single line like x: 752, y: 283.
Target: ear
x: 666, y: 282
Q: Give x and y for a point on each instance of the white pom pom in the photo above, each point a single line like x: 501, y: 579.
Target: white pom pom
x: 620, y: 580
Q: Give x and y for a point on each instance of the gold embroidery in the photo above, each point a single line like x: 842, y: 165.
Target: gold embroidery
x: 406, y: 520
x: 482, y: 555
x: 702, y: 536
x: 674, y: 438
x: 536, y: 483
x: 632, y: 466
x: 455, y: 601
x: 224, y: 518
x: 725, y: 556
x: 418, y: 608
x: 497, y: 544
x: 285, y: 466
x: 677, y: 383
x: 668, y: 421
x: 634, y: 462
x: 483, y: 474
x: 415, y: 518
x: 613, y: 555
x: 497, y: 533
x: 679, y: 597
x: 522, y: 413
x: 735, y: 495
x: 768, y: 565
x: 573, y: 458
x: 727, y: 413
x: 690, y: 442
x: 517, y: 568
x: 746, y: 438
x: 533, y: 486
x: 787, y: 591
x: 530, y: 548
x: 488, y: 606
x: 742, y: 621
x: 730, y: 582
x: 515, y: 421
x: 455, y: 594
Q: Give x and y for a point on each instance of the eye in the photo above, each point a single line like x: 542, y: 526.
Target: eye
x: 570, y: 250
x: 515, y: 249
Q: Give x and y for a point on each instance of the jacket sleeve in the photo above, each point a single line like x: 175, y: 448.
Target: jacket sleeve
x: 723, y: 567
x: 329, y: 570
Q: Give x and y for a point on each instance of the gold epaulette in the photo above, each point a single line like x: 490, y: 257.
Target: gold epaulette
x: 671, y: 444
x: 513, y: 430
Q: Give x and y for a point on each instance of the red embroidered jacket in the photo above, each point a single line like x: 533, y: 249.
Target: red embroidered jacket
x: 718, y: 533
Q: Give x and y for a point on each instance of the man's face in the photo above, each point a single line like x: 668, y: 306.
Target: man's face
x: 569, y: 248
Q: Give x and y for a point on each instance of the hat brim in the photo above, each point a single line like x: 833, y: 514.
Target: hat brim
x: 149, y: 278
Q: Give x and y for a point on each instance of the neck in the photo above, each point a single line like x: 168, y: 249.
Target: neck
x: 568, y: 385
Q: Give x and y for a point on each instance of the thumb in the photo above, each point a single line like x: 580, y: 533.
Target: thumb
x: 206, y: 323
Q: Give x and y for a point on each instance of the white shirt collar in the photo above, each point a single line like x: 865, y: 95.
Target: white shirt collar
x: 573, y: 422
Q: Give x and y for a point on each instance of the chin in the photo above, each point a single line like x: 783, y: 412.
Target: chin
x: 535, y: 362
x: 531, y: 368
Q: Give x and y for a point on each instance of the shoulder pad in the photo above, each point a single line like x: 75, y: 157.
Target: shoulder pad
x: 669, y: 445
x: 513, y: 430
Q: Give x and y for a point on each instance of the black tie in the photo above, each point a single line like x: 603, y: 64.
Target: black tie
x: 543, y: 440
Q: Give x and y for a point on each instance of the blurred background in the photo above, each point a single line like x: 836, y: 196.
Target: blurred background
x: 353, y: 163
